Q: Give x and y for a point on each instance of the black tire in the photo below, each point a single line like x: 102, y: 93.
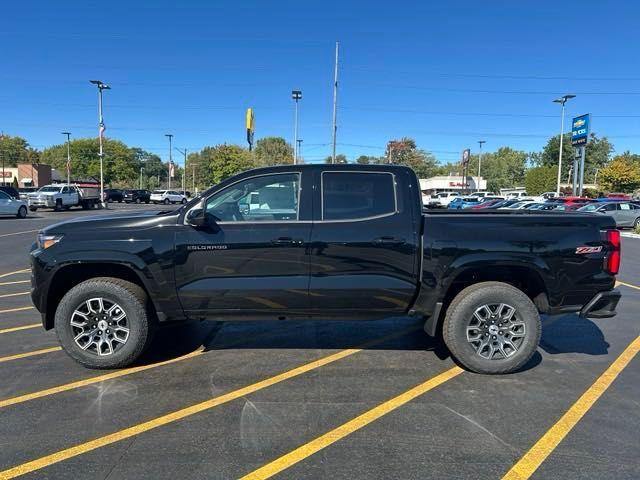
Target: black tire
x: 134, y: 303
x: 33, y: 209
x: 119, y: 200
x: 137, y: 200
x: 167, y: 201
x: 184, y: 200
x: 22, y: 212
x: 461, y: 312
x: 636, y: 224
x: 147, y: 202
x: 58, y: 207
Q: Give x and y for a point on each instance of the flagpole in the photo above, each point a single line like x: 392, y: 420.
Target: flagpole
x: 68, y: 134
x: 101, y: 128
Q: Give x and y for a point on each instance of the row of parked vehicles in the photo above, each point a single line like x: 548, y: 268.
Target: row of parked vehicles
x: 625, y: 212
x: 87, y: 196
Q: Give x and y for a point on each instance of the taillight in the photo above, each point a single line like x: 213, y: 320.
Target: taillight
x: 613, y: 259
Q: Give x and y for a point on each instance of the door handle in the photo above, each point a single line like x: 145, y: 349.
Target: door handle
x: 286, y: 241
x: 387, y: 240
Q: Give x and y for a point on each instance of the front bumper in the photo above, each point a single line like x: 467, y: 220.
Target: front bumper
x: 41, y: 202
x: 602, y: 305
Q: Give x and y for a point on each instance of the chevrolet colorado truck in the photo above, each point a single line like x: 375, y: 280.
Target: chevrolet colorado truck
x: 325, y: 242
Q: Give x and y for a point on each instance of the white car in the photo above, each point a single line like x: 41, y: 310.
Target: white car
x: 12, y: 206
x: 442, y: 199
x: 167, y: 197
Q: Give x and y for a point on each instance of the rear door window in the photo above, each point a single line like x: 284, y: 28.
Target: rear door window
x: 357, y: 195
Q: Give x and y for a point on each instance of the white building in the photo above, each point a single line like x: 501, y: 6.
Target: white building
x: 451, y: 183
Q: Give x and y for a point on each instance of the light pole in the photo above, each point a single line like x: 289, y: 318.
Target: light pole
x: 193, y: 176
x: 68, y: 134
x: 296, y: 95
x: 480, y: 142
x: 101, y: 128
x: 170, y: 136
x: 562, y: 100
x: 299, y: 156
x: 141, y: 169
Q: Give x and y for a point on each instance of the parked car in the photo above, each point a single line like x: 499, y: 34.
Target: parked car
x: 9, y: 190
x: 12, y: 206
x: 487, y: 204
x: 167, y: 197
x: 460, y: 203
x: 482, y: 194
x: 519, y: 205
x: 626, y: 214
x: 186, y: 193
x: 572, y: 200
x: 137, y: 196
x: 113, y: 195
x: 62, y: 196
x: 442, y: 199
x: 25, y: 191
x: 358, y: 255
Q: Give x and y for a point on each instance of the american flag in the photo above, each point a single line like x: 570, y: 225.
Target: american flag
x: 172, y: 170
x: 101, y: 129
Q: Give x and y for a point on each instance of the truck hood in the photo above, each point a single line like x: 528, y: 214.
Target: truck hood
x: 110, y: 225
x: 42, y: 194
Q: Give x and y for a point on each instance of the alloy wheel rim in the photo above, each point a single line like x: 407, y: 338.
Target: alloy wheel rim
x: 495, y: 331
x: 99, y: 326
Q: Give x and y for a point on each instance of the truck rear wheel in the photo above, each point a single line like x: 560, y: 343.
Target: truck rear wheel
x: 58, y: 207
x: 492, y: 328
x: 104, y: 323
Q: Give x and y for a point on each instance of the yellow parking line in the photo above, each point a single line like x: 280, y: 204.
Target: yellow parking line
x: 323, y: 441
x: 627, y: 285
x: 120, y: 373
x: 176, y: 415
x: 2, y: 284
x: 24, y: 270
x: 531, y: 461
x: 29, y: 354
x: 14, y: 294
x: 23, y: 327
x: 19, y: 309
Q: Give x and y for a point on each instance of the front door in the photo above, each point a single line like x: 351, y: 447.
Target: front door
x: 363, y: 245
x: 251, y: 257
x: 6, y: 206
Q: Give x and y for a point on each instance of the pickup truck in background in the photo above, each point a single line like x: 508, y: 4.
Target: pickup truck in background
x: 325, y: 242
x: 63, y: 196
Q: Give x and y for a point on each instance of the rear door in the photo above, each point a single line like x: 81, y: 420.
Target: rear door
x: 6, y: 206
x: 363, y: 244
x: 252, y: 258
x: 627, y: 215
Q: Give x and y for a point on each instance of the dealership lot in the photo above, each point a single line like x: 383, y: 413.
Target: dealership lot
x: 314, y: 399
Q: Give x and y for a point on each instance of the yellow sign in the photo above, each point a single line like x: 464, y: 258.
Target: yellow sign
x: 249, y: 119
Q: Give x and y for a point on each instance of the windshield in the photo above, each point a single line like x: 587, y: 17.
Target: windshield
x: 49, y: 189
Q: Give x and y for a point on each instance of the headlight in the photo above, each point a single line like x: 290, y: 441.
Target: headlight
x: 46, y: 241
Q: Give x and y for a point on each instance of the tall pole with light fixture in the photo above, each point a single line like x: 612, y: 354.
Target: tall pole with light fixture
x: 335, y: 107
x: 184, y: 166
x: 562, y: 100
x: 68, y: 134
x: 480, y: 142
x: 101, y: 128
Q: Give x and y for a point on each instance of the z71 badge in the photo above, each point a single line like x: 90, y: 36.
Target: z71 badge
x: 583, y: 250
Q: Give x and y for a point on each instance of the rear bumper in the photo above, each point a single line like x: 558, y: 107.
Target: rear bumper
x: 602, y: 305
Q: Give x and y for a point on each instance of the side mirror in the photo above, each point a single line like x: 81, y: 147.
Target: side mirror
x: 196, y: 216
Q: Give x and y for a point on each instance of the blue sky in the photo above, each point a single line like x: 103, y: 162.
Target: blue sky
x: 447, y: 73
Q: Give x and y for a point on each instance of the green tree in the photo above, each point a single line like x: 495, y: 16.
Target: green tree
x: 597, y: 154
x: 273, y: 151
x: 622, y: 174
x: 121, y: 163
x: 370, y: 160
x: 541, y: 179
x: 503, y: 168
x: 14, y: 150
x: 223, y: 161
x: 340, y: 158
x: 405, y: 152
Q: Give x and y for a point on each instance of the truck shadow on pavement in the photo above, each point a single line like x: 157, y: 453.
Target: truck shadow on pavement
x: 572, y: 334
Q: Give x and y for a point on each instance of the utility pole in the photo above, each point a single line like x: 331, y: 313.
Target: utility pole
x: 184, y: 169
x: 101, y: 128
x: 193, y: 177
x: 562, y: 100
x: 296, y: 95
x: 141, y: 169
x: 480, y: 142
x: 170, y: 136
x: 335, y: 106
x: 68, y: 134
x: 299, y: 154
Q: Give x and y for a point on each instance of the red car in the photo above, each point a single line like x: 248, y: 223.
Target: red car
x: 573, y: 200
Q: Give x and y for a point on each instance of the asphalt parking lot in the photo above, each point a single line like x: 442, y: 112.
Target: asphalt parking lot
x: 314, y: 399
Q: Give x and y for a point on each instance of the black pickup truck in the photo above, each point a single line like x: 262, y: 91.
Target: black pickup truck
x: 323, y: 241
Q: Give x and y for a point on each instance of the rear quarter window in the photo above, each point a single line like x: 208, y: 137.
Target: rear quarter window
x: 357, y: 195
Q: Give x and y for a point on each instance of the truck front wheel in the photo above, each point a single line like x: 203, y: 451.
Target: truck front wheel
x: 492, y: 328
x: 104, y: 323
